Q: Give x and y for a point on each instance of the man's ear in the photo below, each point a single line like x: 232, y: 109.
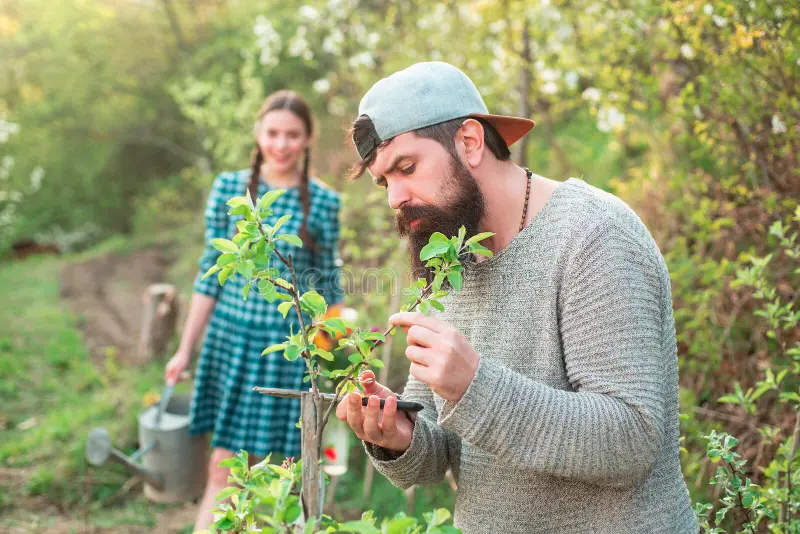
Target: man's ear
x: 470, y: 137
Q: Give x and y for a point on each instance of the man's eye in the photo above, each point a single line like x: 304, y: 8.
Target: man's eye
x: 408, y: 170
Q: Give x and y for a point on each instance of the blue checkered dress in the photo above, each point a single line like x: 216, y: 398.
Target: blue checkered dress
x: 230, y: 363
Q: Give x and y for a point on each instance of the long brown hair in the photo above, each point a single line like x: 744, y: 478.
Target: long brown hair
x: 293, y: 102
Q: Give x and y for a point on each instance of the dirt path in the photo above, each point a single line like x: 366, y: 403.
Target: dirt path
x: 105, y: 293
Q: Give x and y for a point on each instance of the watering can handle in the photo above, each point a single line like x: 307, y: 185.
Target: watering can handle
x: 166, y: 395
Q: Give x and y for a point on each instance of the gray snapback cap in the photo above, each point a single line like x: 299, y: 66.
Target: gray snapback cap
x: 425, y: 94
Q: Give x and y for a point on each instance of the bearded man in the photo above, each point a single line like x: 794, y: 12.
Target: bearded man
x: 550, y: 381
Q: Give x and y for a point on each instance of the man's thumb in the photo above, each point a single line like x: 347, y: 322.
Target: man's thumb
x: 372, y: 387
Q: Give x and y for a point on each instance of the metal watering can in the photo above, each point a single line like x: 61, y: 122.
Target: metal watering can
x: 173, y: 462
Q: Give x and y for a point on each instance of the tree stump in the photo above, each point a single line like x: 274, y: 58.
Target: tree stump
x: 159, y: 321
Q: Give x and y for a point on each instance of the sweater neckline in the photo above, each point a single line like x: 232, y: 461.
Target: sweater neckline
x: 529, y: 231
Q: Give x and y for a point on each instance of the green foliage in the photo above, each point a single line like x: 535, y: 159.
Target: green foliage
x: 776, y: 506
x: 269, y: 494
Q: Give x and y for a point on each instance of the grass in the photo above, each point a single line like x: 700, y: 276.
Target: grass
x: 52, y: 394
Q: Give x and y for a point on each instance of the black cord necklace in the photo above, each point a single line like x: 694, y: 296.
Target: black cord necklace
x: 527, y: 196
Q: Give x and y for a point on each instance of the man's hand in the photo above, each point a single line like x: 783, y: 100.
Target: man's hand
x: 390, y: 429
x: 440, y: 355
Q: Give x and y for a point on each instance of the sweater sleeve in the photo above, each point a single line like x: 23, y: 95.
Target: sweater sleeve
x: 608, y: 430
x: 432, y: 451
x: 216, y: 216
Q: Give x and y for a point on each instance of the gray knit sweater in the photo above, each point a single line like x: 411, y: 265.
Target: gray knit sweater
x: 571, y: 421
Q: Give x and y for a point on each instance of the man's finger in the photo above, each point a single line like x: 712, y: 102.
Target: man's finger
x: 371, y: 387
x: 371, y: 424
x: 389, y: 423
x: 341, y: 408
x: 421, y: 373
x: 355, y: 417
x: 412, y: 318
x: 418, y: 355
x: 422, y: 336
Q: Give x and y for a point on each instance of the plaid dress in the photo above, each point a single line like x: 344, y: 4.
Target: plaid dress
x: 230, y: 363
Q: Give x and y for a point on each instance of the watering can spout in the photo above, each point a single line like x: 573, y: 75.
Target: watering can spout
x: 99, y: 450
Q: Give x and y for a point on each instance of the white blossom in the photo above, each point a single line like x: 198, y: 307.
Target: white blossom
x: 592, y: 94
x: 778, y: 126
x: 571, y: 79
x: 322, y: 86
x: 609, y: 119
x: 332, y: 44
x: 550, y: 88
x: 708, y: 9
x: 721, y: 22
x: 268, y: 41
x: 36, y: 178
x: 309, y: 13
x: 687, y: 51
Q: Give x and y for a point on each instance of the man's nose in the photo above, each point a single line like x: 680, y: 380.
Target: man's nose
x: 398, y: 195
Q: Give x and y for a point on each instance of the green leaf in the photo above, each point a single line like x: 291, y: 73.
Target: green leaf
x: 246, y: 291
x: 239, y: 210
x: 481, y: 251
x: 364, y: 348
x: 355, y: 359
x: 362, y: 527
x: 226, y: 493
x: 291, y: 239
x: 455, y: 280
x: 314, y: 302
x: 267, y: 290
x: 284, y: 308
x: 479, y: 237
x: 225, y: 524
x: 728, y: 399
x: 377, y: 364
x: 323, y: 354
x: 280, y: 223
x: 292, y: 514
x: 283, y: 283
x: 212, y: 270
x: 270, y: 197
x: 280, y: 471
x: 292, y: 353
x: 375, y: 336
x: 226, y: 258
x: 224, y: 245
x: 436, y: 304
x: 238, y: 201
x: 223, y: 275
x: 231, y: 462
x: 336, y: 324
x: 438, y: 237
x: 439, y: 516
x: 274, y: 348
x: 425, y: 307
x: 246, y: 268
x: 433, y: 249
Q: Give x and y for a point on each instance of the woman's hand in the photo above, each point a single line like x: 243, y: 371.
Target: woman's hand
x: 175, y: 367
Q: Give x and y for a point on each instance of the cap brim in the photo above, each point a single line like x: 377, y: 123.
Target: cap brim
x: 511, y: 129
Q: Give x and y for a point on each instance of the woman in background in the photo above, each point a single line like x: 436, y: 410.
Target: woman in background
x: 231, y: 363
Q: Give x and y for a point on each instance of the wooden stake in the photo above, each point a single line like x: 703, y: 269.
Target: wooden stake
x: 313, y: 481
x: 159, y: 321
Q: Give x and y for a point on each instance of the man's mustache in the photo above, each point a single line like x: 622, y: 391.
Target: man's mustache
x: 404, y: 216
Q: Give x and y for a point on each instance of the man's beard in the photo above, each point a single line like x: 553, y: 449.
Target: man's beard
x: 464, y: 206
